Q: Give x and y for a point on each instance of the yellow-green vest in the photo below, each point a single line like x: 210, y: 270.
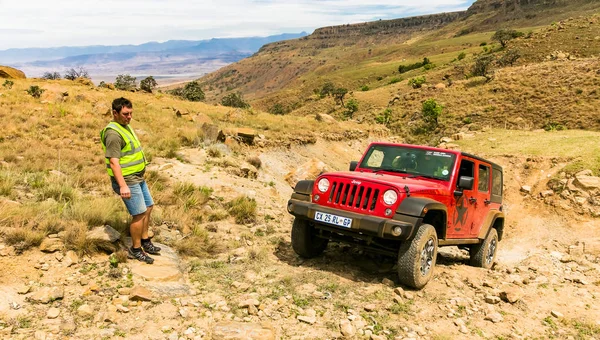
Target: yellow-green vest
x: 132, y: 158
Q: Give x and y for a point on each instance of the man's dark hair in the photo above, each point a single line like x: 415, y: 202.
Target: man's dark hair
x: 119, y: 103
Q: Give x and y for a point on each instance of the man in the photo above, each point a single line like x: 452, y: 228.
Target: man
x: 126, y: 165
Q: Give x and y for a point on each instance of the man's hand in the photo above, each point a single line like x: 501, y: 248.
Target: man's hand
x: 125, y: 192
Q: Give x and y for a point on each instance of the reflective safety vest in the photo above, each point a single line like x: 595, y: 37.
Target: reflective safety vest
x: 132, y: 158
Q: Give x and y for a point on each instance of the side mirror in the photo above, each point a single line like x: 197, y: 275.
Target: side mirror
x: 353, y: 165
x: 465, y: 183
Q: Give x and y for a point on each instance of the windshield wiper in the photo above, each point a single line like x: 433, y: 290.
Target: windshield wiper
x: 424, y: 176
x: 391, y: 170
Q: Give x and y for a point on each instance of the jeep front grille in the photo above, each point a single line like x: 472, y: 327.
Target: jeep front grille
x: 353, y: 196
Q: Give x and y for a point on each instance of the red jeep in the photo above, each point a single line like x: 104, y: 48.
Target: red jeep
x: 404, y: 201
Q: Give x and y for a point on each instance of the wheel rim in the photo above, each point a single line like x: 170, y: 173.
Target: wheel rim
x: 427, y: 256
x: 491, y: 252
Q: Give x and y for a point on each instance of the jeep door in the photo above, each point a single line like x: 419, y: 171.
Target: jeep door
x: 480, y: 199
x: 462, y: 215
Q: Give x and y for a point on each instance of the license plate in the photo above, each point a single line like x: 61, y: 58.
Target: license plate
x: 333, y: 219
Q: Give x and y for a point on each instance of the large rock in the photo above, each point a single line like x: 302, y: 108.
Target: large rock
x: 104, y: 233
x: 50, y: 245
x: 308, y: 170
x: 242, y: 331
x: 212, y: 133
x: 139, y: 293
x: 586, y: 181
x: 11, y: 73
x: 47, y: 294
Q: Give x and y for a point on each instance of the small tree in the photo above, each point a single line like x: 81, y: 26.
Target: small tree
x: 35, y: 91
x: 148, y: 84
x: 509, y: 58
x: 431, y: 111
x: 461, y: 55
x: 8, y: 84
x: 327, y: 89
x: 79, y: 72
x: 234, y: 100
x: 192, y: 91
x: 51, y: 75
x: 125, y: 82
x: 339, y: 94
x: 482, y: 66
x: 504, y: 35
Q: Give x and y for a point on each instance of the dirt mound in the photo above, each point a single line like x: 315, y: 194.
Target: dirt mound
x: 9, y: 72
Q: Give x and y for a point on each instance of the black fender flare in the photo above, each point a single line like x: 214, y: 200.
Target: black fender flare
x: 489, y: 222
x: 414, y: 209
x: 303, y: 190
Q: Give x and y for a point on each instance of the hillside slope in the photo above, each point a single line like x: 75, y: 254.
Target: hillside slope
x: 288, y: 74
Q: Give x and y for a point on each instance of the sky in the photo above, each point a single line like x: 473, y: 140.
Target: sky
x: 43, y: 23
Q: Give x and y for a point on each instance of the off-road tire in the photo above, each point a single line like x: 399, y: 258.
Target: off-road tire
x: 417, y: 257
x: 304, y: 239
x: 484, y: 254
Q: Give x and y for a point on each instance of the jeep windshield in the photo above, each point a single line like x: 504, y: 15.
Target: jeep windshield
x: 415, y: 162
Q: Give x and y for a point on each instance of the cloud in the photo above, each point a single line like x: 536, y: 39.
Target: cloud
x: 41, y: 23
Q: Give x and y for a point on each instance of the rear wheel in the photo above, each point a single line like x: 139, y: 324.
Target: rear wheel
x: 484, y: 254
x: 416, y: 259
x: 305, y: 241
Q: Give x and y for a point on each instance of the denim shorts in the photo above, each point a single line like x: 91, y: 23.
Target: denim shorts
x: 140, y: 197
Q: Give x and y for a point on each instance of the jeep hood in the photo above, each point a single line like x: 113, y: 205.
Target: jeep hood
x: 416, y: 185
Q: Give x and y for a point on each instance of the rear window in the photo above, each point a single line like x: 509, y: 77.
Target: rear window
x: 497, y: 183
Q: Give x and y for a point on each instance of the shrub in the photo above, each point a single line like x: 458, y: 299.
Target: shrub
x: 24, y: 237
x: 406, y: 68
x: 235, y: 100
x: 192, y: 91
x: 429, y: 67
x: 384, y: 117
x: 51, y: 75
x: 148, y: 84
x: 35, y: 91
x: 417, y: 82
x: 73, y: 74
x: 243, y: 209
x: 462, y: 56
x: 8, y: 84
x: 364, y: 88
x: 431, y: 111
x: 351, y: 107
x: 395, y: 80
x: 277, y: 109
x: 125, y: 82
x: 483, y: 44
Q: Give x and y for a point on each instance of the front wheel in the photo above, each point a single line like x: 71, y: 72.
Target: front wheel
x: 484, y: 254
x: 416, y: 259
x: 305, y: 241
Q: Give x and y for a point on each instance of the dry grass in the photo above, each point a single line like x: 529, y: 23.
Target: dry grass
x: 199, y: 244
x: 75, y: 239
x: 243, y: 209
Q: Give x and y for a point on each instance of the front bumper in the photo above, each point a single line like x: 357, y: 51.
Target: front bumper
x: 364, y: 224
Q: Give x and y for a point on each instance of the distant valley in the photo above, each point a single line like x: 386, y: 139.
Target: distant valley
x: 169, y: 61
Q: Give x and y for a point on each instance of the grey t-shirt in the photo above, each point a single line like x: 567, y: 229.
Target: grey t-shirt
x: 114, y: 144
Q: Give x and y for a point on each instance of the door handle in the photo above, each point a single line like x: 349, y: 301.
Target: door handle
x: 472, y: 200
x: 486, y: 202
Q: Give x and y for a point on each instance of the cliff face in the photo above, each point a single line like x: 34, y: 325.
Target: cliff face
x: 385, y: 27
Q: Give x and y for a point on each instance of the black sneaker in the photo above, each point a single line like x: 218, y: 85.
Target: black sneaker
x: 139, y: 255
x: 150, y: 248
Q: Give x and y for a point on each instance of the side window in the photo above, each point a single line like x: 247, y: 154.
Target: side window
x: 466, y: 169
x: 497, y: 183
x: 484, y: 178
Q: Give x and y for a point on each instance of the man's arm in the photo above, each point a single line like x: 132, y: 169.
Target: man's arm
x: 118, y: 174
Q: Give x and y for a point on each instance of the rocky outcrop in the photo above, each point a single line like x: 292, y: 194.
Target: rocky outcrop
x: 11, y: 73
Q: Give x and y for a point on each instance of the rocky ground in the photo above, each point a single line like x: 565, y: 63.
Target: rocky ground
x: 545, y: 285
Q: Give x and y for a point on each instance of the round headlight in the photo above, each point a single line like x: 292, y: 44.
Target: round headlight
x: 323, y: 185
x: 390, y: 197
